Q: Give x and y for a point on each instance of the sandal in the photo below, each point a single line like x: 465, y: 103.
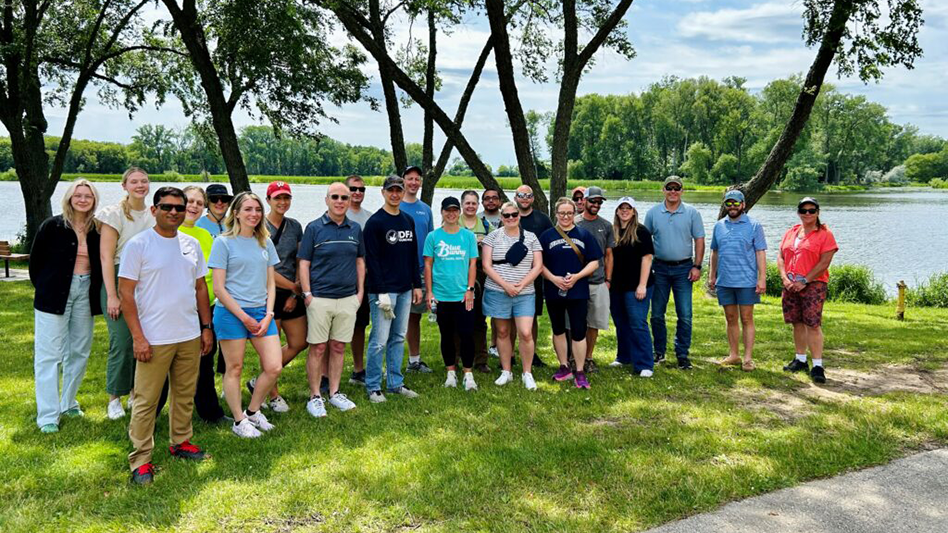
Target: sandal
x: 730, y: 361
x: 748, y: 366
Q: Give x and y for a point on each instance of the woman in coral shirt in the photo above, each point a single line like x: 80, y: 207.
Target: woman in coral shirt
x: 806, y: 252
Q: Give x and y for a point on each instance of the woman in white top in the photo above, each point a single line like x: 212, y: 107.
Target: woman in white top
x: 117, y: 224
x: 509, y: 293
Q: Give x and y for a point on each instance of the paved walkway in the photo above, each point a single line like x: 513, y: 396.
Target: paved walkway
x: 16, y: 274
x: 906, y: 496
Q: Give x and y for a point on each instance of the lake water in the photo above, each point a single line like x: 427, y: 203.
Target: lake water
x: 900, y: 234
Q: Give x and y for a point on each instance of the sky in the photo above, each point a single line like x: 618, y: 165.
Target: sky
x: 757, y: 40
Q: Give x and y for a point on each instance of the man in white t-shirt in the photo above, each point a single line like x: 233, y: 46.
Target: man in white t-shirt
x: 165, y: 303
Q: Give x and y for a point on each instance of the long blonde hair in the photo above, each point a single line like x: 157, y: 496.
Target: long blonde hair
x: 69, y: 214
x: 629, y: 235
x: 126, y: 208
x: 261, y: 233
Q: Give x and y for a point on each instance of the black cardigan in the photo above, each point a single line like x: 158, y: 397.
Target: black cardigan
x: 52, y: 261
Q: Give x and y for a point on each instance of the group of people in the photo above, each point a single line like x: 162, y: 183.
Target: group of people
x: 201, y: 272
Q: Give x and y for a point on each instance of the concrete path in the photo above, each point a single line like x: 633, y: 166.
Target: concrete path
x: 906, y: 496
x: 16, y: 274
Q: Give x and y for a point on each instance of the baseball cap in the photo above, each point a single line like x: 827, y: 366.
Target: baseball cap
x: 734, y: 195
x: 594, y: 192
x: 393, y: 181
x: 580, y: 189
x: 218, y: 189
x: 808, y: 200
x: 410, y: 168
x: 450, y: 203
x: 673, y: 179
x: 626, y: 200
x: 277, y: 188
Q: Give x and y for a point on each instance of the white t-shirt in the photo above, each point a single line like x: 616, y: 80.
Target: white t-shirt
x: 115, y: 217
x: 500, y: 242
x: 165, y: 269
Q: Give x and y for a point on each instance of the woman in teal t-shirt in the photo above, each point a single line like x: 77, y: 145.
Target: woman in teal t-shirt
x: 450, y: 270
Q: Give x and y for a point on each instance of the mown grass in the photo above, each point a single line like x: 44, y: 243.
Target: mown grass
x: 626, y: 455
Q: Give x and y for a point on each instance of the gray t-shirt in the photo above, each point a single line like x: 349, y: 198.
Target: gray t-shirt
x: 287, y: 247
x: 601, y: 229
x: 246, y: 263
x: 362, y: 216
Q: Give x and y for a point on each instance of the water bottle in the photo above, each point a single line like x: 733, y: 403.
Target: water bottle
x: 563, y: 293
x: 433, y: 315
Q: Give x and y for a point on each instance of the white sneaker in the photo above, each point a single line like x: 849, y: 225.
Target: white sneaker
x: 130, y: 402
x: 469, y: 383
x: 528, y: 381
x: 259, y: 421
x: 115, y: 410
x: 494, y: 352
x: 316, y: 407
x: 279, y: 405
x: 341, y: 401
x: 405, y: 391
x: 615, y: 364
x: 245, y: 429
x: 452, y: 380
x: 645, y: 374
x: 506, y: 377
x: 376, y: 396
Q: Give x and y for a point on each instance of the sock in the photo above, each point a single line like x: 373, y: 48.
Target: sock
x: 451, y: 373
x: 801, y: 357
x: 250, y: 413
x: 468, y: 376
x: 818, y: 362
x: 414, y: 358
x: 313, y: 397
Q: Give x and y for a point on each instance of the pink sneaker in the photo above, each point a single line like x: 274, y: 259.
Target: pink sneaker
x: 563, y: 374
x: 581, y: 381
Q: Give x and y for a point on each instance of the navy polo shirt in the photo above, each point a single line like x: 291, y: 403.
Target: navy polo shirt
x: 332, y: 250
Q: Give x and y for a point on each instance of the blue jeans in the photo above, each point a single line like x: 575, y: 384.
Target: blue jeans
x: 387, y: 338
x: 672, y: 279
x: 632, y: 336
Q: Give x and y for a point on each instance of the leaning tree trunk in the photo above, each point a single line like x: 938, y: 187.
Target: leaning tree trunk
x: 392, y: 109
x: 770, y: 171
x: 559, y: 152
x: 427, y: 147
x: 192, y: 34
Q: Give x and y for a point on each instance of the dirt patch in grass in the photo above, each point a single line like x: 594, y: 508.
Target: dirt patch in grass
x: 788, y: 406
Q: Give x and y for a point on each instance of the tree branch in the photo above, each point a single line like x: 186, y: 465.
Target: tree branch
x: 391, y: 11
x: 600, y: 37
x: 95, y: 32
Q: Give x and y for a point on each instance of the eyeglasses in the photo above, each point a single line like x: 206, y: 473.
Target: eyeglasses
x: 810, y: 211
x: 673, y: 188
x: 491, y: 198
x: 731, y: 203
x: 217, y: 199
x: 357, y: 189
x: 564, y: 213
x: 510, y: 215
x: 525, y: 195
x: 343, y: 197
x: 178, y: 208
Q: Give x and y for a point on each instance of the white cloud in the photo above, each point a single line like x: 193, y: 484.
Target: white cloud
x: 770, y: 22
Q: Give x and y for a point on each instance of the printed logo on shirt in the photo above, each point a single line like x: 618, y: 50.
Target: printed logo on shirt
x: 396, y: 236
x: 451, y: 252
x: 265, y: 254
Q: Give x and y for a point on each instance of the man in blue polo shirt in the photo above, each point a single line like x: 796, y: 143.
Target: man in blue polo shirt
x: 738, y: 274
x: 676, y: 229
x: 333, y: 255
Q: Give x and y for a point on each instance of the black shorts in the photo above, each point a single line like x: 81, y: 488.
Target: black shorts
x: 362, y: 315
x: 282, y: 295
x: 576, y: 309
x: 538, y: 297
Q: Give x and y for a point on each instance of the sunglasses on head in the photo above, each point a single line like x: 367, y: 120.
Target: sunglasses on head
x: 215, y: 199
x: 510, y: 215
x: 672, y: 188
x: 178, y: 208
x: 731, y: 203
x: 525, y: 195
x: 356, y: 189
x: 343, y: 197
x: 807, y: 211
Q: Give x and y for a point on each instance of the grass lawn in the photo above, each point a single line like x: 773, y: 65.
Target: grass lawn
x: 626, y: 455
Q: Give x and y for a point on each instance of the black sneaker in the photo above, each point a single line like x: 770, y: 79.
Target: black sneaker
x: 186, y: 450
x: 224, y: 419
x: 250, y: 385
x: 797, y: 366
x: 144, y: 474
x: 590, y: 367
x: 538, y: 363
x: 482, y: 368
x: 420, y: 366
x: 357, y: 378
x: 659, y: 358
x: 684, y: 363
x: 817, y: 375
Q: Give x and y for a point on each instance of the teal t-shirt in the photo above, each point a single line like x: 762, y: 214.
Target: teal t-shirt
x: 452, y: 256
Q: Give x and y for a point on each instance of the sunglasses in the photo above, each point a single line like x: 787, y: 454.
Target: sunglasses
x: 731, y: 203
x: 810, y: 211
x: 178, y: 208
x: 357, y: 189
x: 594, y: 202
x: 343, y: 197
x: 525, y: 195
x: 673, y: 188
x: 577, y: 198
x: 510, y: 215
x: 217, y: 199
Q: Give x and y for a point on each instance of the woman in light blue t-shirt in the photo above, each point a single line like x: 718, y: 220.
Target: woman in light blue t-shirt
x: 243, y: 258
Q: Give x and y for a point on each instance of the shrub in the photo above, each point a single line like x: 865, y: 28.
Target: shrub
x: 896, y: 176
x: 855, y: 283
x: 938, y: 183
x: 774, y: 283
x: 172, y: 176
x: 9, y: 175
x: 932, y: 293
x: 802, y: 178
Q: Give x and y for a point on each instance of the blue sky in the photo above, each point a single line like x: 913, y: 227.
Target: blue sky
x: 758, y: 40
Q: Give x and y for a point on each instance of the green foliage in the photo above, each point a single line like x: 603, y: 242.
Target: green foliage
x: 856, y: 284
x: 724, y: 170
x: 938, y: 183
x: 697, y: 163
x: 925, y: 167
x: 774, y: 281
x: 801, y: 179
x: 8, y: 175
x: 931, y: 293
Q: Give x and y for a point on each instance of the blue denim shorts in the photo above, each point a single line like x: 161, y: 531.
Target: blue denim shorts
x: 737, y: 296
x: 229, y: 327
x: 498, y: 305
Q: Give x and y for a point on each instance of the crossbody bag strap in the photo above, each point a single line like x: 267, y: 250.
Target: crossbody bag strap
x: 279, y: 233
x: 571, y: 244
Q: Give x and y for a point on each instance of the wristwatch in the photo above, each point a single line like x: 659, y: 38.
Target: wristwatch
x: 698, y: 266
x: 206, y: 326
x: 471, y: 289
x: 307, y: 294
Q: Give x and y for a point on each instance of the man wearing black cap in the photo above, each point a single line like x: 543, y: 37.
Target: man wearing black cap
x: 218, y: 200
x: 420, y: 212
x: 597, y: 316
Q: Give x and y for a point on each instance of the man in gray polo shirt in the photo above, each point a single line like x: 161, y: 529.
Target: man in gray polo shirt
x: 597, y: 315
x: 332, y: 275
x: 677, y: 230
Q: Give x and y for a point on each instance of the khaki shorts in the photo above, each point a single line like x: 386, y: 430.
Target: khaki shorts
x: 331, y: 318
x: 597, y: 316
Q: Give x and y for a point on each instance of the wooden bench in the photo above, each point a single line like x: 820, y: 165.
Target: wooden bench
x: 7, y: 255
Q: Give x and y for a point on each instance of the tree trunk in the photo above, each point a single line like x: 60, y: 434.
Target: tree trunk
x: 192, y: 34
x: 508, y: 89
x: 392, y: 106
x: 427, y: 149
x: 770, y: 171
